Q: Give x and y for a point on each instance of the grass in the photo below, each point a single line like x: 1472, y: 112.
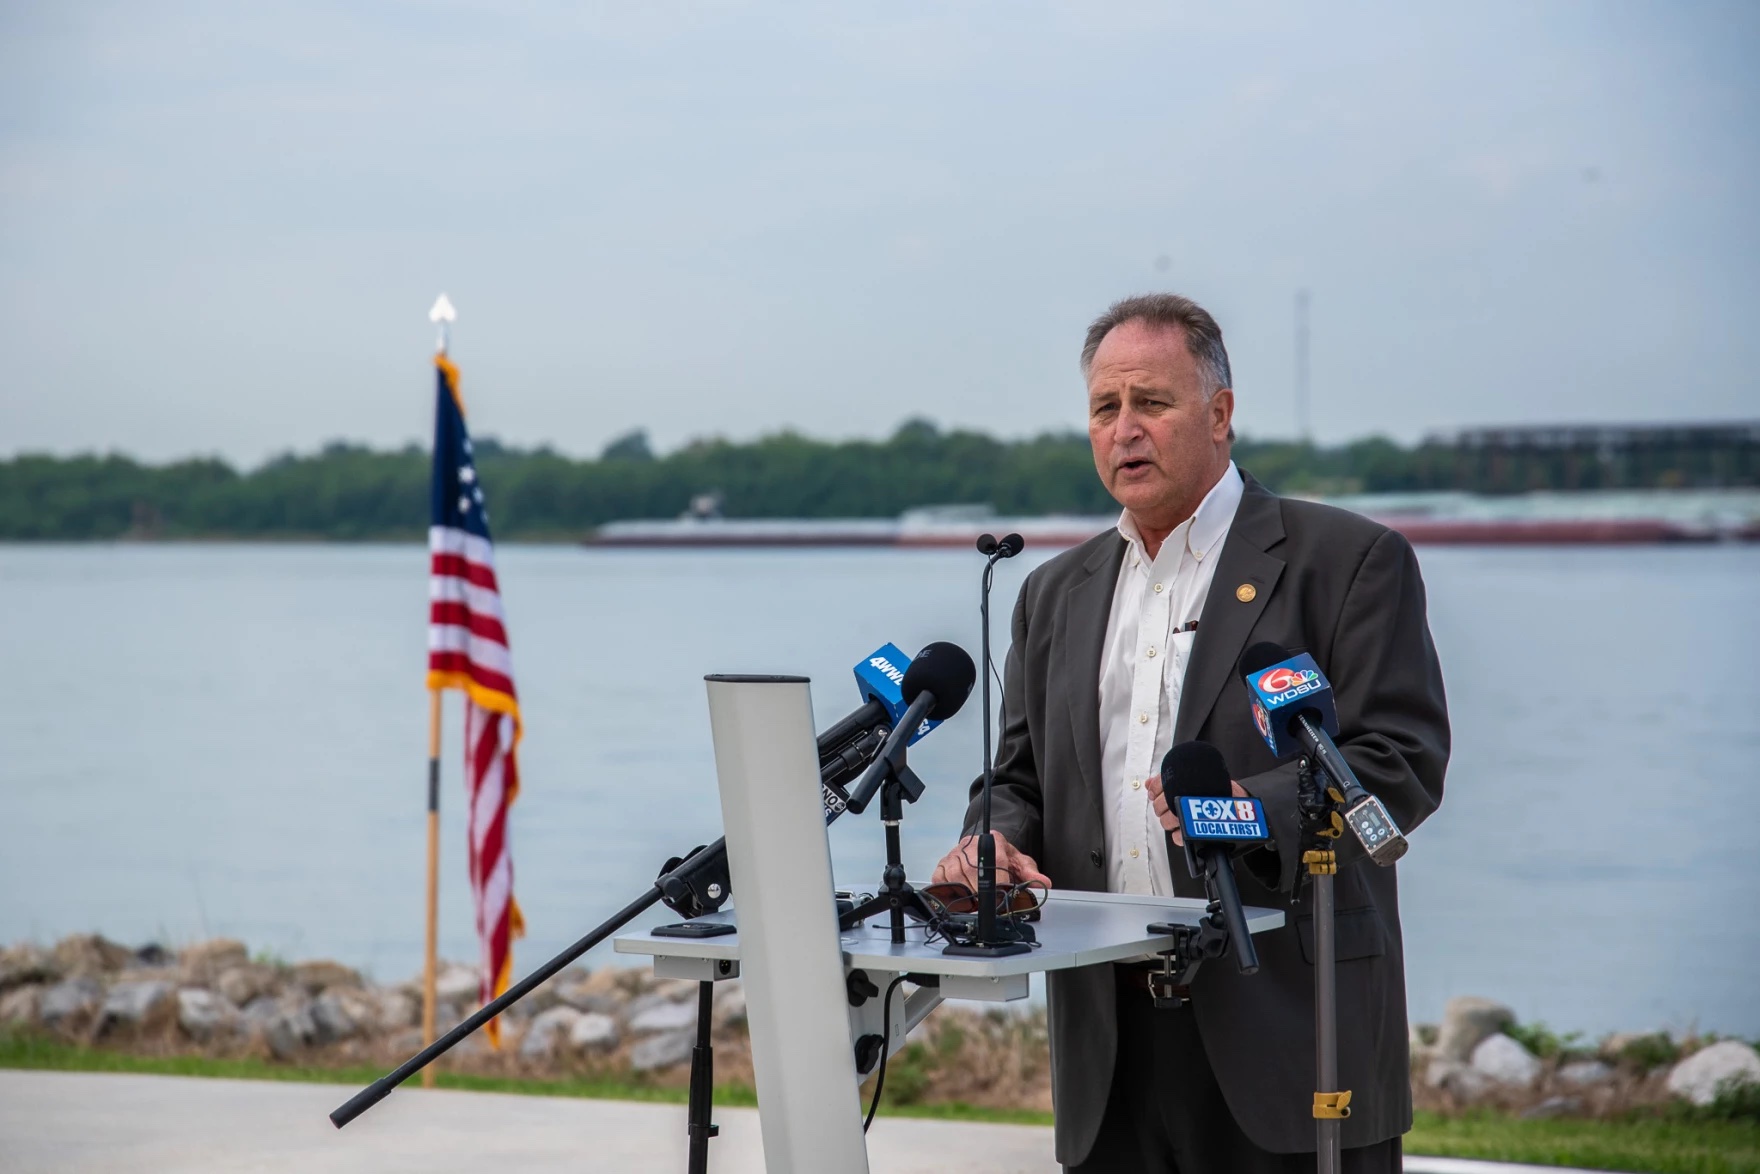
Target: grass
x: 1679, y: 1141
x: 1667, y: 1143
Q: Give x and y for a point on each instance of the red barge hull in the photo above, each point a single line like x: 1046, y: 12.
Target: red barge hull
x: 1058, y: 534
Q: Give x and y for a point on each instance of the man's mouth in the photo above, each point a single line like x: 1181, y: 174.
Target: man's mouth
x: 1134, y: 465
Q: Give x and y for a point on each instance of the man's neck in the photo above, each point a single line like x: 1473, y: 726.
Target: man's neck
x: 1155, y: 532
x: 1154, y: 537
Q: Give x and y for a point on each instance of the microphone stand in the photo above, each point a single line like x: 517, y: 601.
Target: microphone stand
x: 1224, y: 925
x: 897, y: 784
x: 1322, y: 825
x: 989, y: 938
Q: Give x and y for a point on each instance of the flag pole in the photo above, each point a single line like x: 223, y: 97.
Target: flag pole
x: 428, y: 955
x: 440, y: 315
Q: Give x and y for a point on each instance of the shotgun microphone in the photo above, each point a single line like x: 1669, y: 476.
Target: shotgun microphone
x: 1293, y: 708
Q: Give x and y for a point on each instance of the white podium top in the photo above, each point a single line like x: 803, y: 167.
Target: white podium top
x: 1074, y: 929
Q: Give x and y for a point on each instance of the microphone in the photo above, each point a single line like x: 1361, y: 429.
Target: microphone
x: 988, y: 940
x: 881, y: 678
x: 846, y: 749
x: 1007, y: 546
x: 1195, y: 780
x: 944, y: 675
x: 933, y: 688
x: 1294, y: 710
x: 697, y: 883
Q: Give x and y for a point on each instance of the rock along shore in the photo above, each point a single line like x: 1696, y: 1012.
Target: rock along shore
x: 214, y: 999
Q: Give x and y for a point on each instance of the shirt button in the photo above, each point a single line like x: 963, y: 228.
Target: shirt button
x: 1151, y: 651
x: 1158, y: 589
x: 1142, y: 719
x: 1136, y: 784
x: 1095, y: 858
x: 1198, y: 554
x: 1133, y: 853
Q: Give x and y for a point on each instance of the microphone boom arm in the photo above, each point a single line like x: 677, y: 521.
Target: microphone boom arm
x: 683, y: 885
x: 1366, y: 816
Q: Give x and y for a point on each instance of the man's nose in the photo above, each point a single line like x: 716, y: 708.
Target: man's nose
x: 1127, y: 427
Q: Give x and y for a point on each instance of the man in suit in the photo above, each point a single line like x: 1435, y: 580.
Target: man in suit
x: 1128, y: 644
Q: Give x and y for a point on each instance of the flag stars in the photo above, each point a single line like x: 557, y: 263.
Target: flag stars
x: 466, y: 474
x: 464, y: 504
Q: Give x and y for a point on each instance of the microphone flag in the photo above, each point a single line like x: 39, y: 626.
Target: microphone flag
x: 881, y: 678
x: 1281, y: 692
x: 1231, y: 820
x: 468, y: 651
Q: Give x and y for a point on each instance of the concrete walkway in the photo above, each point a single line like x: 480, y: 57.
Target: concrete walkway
x: 77, y: 1122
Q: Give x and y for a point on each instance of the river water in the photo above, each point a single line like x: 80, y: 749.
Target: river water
x: 217, y: 739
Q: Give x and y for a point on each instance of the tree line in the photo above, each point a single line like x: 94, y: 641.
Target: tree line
x: 350, y: 492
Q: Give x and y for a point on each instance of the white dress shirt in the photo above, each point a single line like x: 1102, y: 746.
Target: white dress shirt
x: 1149, y: 639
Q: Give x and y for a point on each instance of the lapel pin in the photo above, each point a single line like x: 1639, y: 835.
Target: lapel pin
x: 1245, y: 593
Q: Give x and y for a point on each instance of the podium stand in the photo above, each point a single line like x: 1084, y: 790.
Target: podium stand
x: 800, y: 971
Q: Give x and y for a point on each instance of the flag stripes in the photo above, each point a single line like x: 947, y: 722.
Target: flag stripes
x: 468, y: 650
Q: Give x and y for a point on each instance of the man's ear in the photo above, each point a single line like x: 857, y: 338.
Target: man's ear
x: 1222, y: 414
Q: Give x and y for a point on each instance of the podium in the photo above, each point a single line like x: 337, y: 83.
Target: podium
x: 813, y: 992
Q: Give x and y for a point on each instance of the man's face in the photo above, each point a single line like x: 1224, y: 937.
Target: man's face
x: 1158, y: 444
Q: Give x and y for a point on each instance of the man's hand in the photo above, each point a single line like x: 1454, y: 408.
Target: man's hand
x: 1013, y: 866
x: 1168, y: 819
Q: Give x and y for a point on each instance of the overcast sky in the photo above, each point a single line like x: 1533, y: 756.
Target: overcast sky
x: 221, y: 225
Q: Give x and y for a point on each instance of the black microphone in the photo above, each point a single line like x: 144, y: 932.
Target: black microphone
x: 945, y: 674
x: 1007, y: 546
x: 697, y: 882
x: 1197, y: 769
x: 934, y: 688
x: 1290, y: 695
x: 987, y: 941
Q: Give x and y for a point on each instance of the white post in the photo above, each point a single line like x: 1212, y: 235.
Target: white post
x: 767, y: 764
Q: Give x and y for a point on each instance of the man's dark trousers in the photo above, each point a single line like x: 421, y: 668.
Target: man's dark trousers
x: 1166, y: 1115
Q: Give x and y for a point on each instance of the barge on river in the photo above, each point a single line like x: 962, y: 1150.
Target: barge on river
x: 1458, y: 519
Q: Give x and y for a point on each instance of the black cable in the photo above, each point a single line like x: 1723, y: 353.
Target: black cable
x: 886, y: 1040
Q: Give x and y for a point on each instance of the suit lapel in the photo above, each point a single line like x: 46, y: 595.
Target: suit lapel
x: 1089, y: 606
x: 1227, y: 619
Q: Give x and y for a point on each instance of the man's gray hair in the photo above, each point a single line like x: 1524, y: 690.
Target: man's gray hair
x: 1203, y: 336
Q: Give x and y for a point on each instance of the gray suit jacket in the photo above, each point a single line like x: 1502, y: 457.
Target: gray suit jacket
x: 1347, y: 591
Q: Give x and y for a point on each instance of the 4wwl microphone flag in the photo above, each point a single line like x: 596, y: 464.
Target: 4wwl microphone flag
x: 467, y: 650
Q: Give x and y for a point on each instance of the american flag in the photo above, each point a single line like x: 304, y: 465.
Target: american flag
x: 467, y: 650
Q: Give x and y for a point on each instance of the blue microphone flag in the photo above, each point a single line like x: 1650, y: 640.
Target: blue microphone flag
x: 1235, y: 820
x: 1283, y: 691
x: 880, y: 677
